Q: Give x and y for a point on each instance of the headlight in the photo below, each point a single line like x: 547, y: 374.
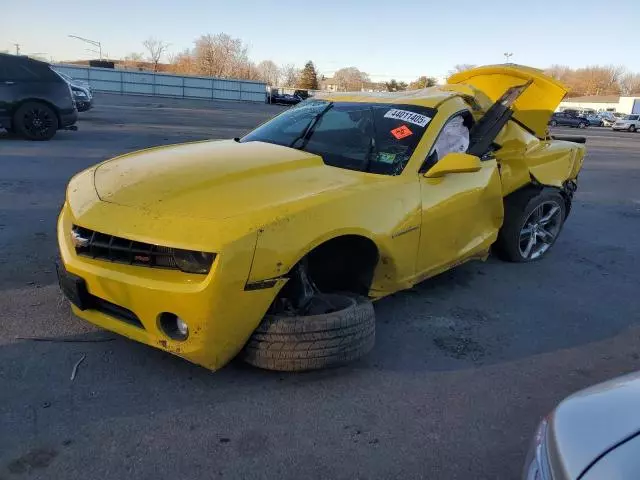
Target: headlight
x: 79, y: 93
x: 537, y: 465
x: 193, y: 262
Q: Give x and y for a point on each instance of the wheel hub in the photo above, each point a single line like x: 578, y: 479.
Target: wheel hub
x: 540, y: 230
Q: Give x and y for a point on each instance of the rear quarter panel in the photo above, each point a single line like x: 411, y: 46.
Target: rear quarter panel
x: 524, y: 158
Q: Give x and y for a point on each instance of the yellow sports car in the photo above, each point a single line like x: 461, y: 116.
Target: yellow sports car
x: 274, y: 245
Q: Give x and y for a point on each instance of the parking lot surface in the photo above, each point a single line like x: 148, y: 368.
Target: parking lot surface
x: 464, y: 366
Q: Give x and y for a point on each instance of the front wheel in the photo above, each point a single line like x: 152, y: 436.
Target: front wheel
x: 582, y: 125
x: 533, y: 220
x: 35, y: 121
x: 336, y: 329
x: 632, y: 128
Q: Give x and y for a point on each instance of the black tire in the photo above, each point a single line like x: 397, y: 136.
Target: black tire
x: 553, y: 123
x: 35, y: 121
x: 632, y: 128
x: 518, y: 208
x: 298, y: 343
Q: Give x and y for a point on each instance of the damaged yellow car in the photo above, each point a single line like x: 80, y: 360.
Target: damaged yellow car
x: 273, y: 246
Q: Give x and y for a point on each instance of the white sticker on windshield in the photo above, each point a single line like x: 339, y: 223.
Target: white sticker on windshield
x: 407, y: 116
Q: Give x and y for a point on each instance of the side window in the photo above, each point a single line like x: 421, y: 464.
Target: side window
x: 21, y: 71
x: 454, y: 137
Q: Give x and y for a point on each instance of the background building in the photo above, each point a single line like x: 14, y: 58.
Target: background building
x: 602, y: 103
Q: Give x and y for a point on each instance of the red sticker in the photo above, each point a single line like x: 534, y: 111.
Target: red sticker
x: 401, y: 132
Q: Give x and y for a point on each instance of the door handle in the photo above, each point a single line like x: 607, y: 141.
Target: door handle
x: 9, y: 82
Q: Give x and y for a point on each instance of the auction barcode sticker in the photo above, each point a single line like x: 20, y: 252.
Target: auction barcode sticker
x: 407, y: 116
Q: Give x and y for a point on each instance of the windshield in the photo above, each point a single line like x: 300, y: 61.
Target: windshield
x: 369, y: 137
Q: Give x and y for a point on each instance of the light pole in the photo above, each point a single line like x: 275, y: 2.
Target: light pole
x: 507, y: 56
x: 95, y: 43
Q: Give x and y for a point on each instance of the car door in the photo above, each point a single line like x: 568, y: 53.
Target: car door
x: 461, y: 212
x: 7, y: 87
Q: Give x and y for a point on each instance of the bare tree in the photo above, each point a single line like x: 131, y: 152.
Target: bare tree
x: 221, y: 55
x: 289, y: 75
x: 350, y: 79
x: 630, y: 83
x: 461, y: 67
x: 155, y: 48
x: 182, y: 63
x: 268, y: 72
x: 133, y: 60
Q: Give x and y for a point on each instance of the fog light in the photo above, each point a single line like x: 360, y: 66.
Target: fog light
x: 183, y: 328
x: 173, y: 326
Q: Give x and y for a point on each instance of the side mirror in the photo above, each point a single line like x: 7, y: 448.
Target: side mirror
x: 455, y: 162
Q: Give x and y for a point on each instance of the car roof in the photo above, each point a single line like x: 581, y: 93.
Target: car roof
x: 426, y: 97
x: 23, y: 58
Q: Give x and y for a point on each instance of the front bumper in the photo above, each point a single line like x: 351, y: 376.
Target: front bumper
x: 221, y: 315
x: 68, y: 117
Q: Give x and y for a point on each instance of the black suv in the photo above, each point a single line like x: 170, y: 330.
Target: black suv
x: 35, y: 101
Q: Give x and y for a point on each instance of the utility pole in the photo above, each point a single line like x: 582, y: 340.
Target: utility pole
x: 17, y: 45
x: 507, y: 56
x: 91, y: 42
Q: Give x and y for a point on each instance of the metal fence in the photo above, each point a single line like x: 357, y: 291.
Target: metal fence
x: 166, y: 85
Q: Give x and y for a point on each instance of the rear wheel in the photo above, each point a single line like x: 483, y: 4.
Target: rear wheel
x: 35, y: 121
x: 553, y: 123
x: 532, y: 222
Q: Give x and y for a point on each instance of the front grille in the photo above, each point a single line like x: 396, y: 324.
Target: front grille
x: 90, y: 243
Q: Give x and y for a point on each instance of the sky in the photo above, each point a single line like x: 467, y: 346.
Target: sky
x: 387, y: 39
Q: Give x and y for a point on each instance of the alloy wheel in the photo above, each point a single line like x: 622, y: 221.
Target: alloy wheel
x: 37, y: 121
x: 540, y: 230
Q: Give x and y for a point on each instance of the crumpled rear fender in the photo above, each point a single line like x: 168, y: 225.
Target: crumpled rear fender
x: 524, y: 159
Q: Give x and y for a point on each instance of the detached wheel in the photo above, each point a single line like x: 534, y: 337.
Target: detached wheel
x: 297, y: 343
x: 35, y: 121
x: 533, y: 220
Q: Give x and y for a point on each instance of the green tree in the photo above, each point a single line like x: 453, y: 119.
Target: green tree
x: 308, y: 77
x: 422, y: 82
x: 395, y: 86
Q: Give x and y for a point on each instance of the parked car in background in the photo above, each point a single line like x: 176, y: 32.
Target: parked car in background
x: 35, y: 101
x: 568, y: 119
x: 278, y: 97
x: 74, y: 81
x: 595, y: 120
x: 608, y: 119
x: 82, y: 97
x: 630, y: 123
x: 592, y: 435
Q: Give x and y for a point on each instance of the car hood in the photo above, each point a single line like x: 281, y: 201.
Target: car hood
x: 536, y: 104
x: 215, y: 179
x: 588, y: 423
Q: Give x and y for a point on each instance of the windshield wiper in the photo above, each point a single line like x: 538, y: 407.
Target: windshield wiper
x: 308, y: 131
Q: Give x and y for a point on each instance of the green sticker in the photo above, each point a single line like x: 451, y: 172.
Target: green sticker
x: 386, y: 157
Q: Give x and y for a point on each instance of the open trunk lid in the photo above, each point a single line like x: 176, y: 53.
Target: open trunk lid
x: 533, y: 107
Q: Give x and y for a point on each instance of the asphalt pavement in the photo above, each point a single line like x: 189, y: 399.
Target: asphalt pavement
x: 464, y: 366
